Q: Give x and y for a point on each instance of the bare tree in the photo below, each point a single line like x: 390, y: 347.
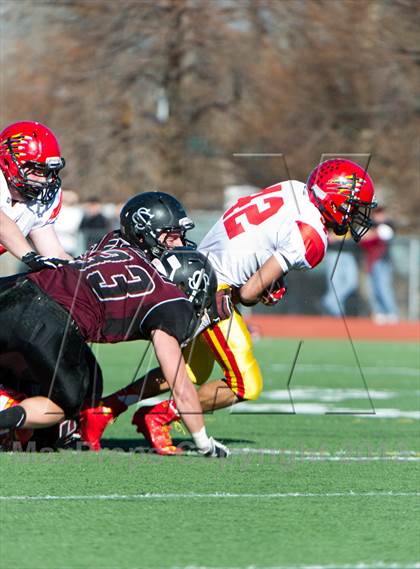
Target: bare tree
x: 162, y: 94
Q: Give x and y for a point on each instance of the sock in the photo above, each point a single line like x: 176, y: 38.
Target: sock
x: 173, y: 411
x: 12, y: 418
x: 119, y: 401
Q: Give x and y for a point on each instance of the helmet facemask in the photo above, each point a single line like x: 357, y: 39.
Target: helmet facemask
x: 360, y: 222
x: 343, y: 210
x: 148, y: 216
x: 356, y: 212
x: 193, y: 273
x: 148, y: 237
x: 43, y: 191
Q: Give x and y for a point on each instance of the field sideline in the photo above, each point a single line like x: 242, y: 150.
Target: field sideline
x: 324, y: 473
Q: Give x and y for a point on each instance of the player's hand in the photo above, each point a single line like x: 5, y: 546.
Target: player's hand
x: 222, y: 306
x: 215, y: 449
x: 275, y: 293
x: 37, y: 262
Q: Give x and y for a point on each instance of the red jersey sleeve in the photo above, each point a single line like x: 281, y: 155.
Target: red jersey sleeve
x: 56, y: 209
x: 314, y: 244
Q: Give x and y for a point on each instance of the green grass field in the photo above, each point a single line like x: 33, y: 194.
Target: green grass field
x: 315, y: 478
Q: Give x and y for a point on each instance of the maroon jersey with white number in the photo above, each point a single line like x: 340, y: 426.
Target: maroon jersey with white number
x: 114, y: 294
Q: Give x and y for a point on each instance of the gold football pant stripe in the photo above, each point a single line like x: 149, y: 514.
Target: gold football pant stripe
x: 229, y: 343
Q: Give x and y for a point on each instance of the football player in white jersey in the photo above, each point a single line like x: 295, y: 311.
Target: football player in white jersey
x: 30, y: 201
x: 30, y: 194
x: 252, y: 246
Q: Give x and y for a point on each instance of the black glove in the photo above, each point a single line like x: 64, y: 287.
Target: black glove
x: 37, y: 262
x: 221, y: 307
x: 215, y: 450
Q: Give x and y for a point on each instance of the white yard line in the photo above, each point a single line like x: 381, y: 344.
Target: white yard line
x: 341, y: 456
x: 337, y: 368
x: 321, y: 409
x: 321, y: 453
x: 297, y: 455
x: 331, y: 394
x: 360, y: 565
x: 378, y: 565
x: 212, y: 495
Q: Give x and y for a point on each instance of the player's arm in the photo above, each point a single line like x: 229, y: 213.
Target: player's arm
x: 12, y: 238
x: 47, y: 244
x: 253, y: 290
x: 168, y: 353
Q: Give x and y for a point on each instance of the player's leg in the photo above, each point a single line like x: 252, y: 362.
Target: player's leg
x: 96, y: 382
x: 17, y: 383
x: 95, y: 419
x: 149, y: 385
x: 199, y: 362
x: 18, y: 312
x: 40, y: 412
x: 53, y: 348
x: 216, y: 394
x: 154, y: 422
x: 231, y: 344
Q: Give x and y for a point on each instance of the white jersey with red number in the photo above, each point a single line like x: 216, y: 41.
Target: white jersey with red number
x: 28, y: 215
x: 280, y: 220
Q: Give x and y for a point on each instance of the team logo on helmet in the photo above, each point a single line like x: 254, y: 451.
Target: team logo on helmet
x: 30, y: 160
x: 344, y: 194
x: 141, y: 218
x: 199, y: 280
x: 148, y: 215
x: 186, y: 223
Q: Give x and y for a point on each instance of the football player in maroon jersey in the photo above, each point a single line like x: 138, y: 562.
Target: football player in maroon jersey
x: 154, y: 222
x: 111, y: 294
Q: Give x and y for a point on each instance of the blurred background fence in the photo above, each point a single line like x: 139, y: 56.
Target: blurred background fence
x: 305, y: 288
x: 177, y: 95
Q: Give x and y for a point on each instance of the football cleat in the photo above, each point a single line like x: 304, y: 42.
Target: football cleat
x: 153, y: 423
x: 93, y: 422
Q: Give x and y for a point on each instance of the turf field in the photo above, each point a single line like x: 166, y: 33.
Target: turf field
x: 325, y: 473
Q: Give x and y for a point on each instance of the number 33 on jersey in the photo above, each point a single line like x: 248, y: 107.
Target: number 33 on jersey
x: 279, y: 221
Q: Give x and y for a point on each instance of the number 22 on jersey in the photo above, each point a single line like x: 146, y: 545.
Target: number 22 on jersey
x: 251, y: 210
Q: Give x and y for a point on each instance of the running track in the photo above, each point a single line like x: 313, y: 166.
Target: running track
x: 304, y: 327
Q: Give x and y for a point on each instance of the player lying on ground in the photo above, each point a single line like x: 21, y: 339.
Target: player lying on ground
x: 252, y: 247
x: 109, y: 295
x: 30, y: 194
x: 152, y: 221
x: 163, y: 222
x: 18, y: 382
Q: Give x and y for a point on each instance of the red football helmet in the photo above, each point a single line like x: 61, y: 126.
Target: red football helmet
x: 344, y: 194
x: 30, y: 160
